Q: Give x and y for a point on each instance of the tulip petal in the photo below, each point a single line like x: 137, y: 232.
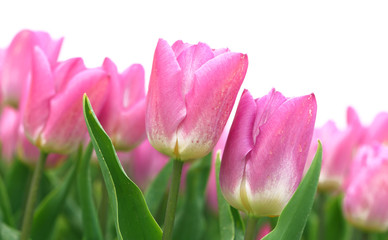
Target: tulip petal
x: 275, y: 165
x: 210, y: 102
x: 9, y: 123
x: 65, y: 127
x: 66, y: 71
x: 237, y: 147
x: 165, y: 102
x: 16, y: 67
x: 130, y: 130
x: 190, y: 60
x: 41, y: 90
x: 132, y: 84
x: 179, y: 46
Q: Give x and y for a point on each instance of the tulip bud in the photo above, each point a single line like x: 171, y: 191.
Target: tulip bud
x: 53, y: 118
x: 16, y: 67
x: 191, y: 93
x: 266, y: 151
x: 366, y: 194
x: 123, y: 115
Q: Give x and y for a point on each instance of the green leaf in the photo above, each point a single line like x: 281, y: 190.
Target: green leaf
x: 336, y: 227
x: 230, y: 221
x: 5, y: 205
x: 91, y: 225
x: 48, y: 210
x: 191, y: 222
x: 8, y: 233
x: 293, y: 219
x: 132, y: 218
x: 156, y: 192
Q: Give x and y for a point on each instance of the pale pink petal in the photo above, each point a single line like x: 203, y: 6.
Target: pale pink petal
x: 132, y: 85
x: 9, y: 124
x: 378, y: 129
x: 112, y: 107
x: 130, y: 129
x: 65, y: 127
x: 67, y: 70
x: 209, y: 103
x: 275, y: 166
x: 16, y: 67
x: 179, y: 46
x: 238, y: 145
x: 41, y: 90
x: 165, y: 103
x: 190, y: 60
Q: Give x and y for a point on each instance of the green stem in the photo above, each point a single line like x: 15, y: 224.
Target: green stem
x: 103, y: 210
x: 172, y: 200
x: 32, y: 194
x: 358, y: 234
x: 322, y: 215
x: 250, y: 230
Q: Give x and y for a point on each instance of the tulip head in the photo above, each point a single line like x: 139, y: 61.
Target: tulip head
x: 266, y: 151
x: 338, y: 151
x: 191, y: 93
x: 366, y: 193
x: 123, y: 115
x: 52, y: 117
x: 17, y: 62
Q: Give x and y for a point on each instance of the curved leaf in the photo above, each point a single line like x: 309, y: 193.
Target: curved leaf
x: 293, y: 219
x: 132, y: 218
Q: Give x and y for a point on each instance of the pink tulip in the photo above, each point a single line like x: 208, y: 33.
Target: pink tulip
x: 337, y: 151
x: 16, y: 67
x: 377, y: 131
x: 143, y: 163
x: 123, y: 116
x: 9, y: 124
x: 211, y: 190
x: 191, y: 93
x: 366, y: 195
x: 53, y: 118
x: 266, y: 152
x: 264, y: 230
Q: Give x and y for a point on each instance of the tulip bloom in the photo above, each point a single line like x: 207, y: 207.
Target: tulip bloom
x: 337, y: 153
x: 266, y: 151
x: 9, y: 123
x: 366, y: 194
x: 53, y: 118
x: 16, y: 67
x: 123, y: 116
x: 191, y: 93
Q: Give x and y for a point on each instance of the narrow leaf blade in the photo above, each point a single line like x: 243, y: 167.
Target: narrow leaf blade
x: 132, y: 218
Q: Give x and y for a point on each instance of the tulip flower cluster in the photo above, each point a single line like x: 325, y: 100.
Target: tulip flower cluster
x: 177, y: 154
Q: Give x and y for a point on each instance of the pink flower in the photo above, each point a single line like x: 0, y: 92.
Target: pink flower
x: 264, y: 230
x: 338, y: 150
x: 123, y: 116
x: 191, y: 93
x: 266, y: 151
x: 377, y: 131
x: 53, y: 118
x: 143, y: 163
x: 9, y: 124
x: 366, y: 194
x: 16, y: 66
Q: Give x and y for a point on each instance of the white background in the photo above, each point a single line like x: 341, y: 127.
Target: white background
x: 336, y: 49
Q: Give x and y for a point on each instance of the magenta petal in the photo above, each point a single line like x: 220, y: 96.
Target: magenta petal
x: 210, y: 102
x: 37, y: 108
x: 132, y: 85
x: 65, y: 127
x: 130, y: 130
x: 165, y: 102
x: 238, y: 145
x: 275, y: 165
